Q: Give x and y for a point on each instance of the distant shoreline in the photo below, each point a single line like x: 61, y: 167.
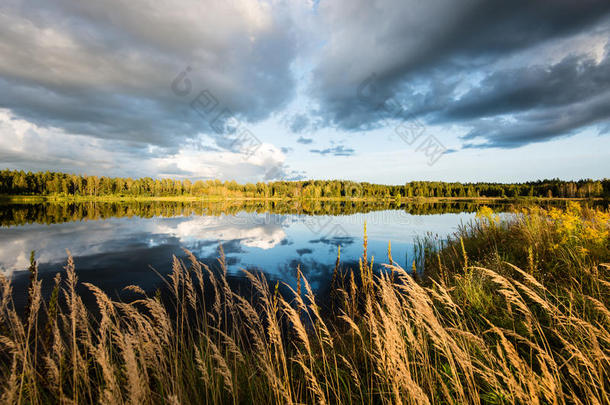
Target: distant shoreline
x: 25, y: 199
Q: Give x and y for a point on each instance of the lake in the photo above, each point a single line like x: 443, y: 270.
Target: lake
x: 118, y: 244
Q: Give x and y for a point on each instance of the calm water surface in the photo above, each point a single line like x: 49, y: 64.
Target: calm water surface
x: 115, y: 245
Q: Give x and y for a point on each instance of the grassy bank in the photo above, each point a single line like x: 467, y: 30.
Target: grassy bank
x: 475, y: 329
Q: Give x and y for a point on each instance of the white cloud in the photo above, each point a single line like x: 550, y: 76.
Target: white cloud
x: 250, y: 229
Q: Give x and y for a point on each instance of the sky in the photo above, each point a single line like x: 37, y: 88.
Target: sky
x: 251, y: 90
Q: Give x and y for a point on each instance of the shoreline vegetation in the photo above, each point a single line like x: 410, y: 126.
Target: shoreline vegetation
x: 25, y: 199
x: 510, y: 309
x: 23, y: 186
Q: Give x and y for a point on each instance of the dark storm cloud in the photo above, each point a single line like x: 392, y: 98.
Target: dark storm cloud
x: 541, y: 103
x: 112, y: 70
x: 104, y: 68
x: 570, y: 81
x: 424, y: 56
x: 101, y: 113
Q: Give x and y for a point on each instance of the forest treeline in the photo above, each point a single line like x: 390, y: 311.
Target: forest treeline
x: 13, y: 182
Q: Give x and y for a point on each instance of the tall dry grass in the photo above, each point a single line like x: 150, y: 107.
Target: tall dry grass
x: 467, y: 333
